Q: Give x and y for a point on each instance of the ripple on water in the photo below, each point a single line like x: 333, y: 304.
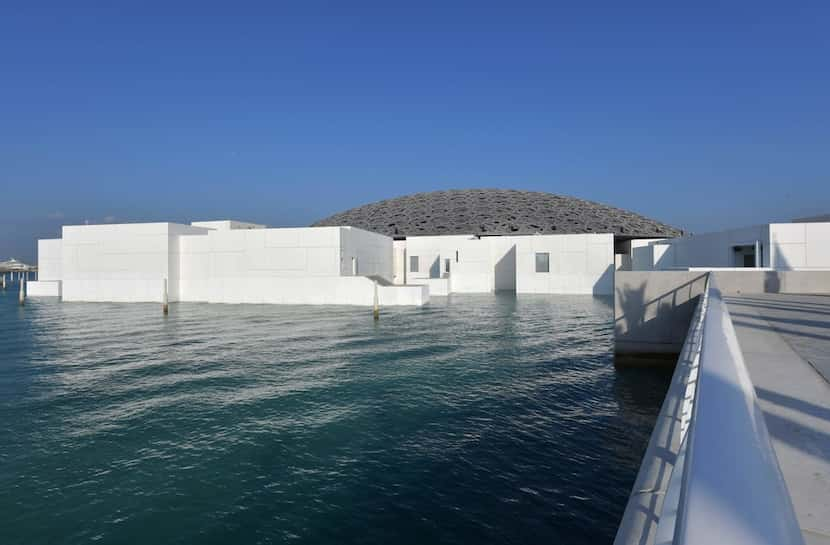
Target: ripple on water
x: 474, y: 419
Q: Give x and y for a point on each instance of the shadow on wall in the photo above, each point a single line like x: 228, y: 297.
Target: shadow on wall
x: 772, y: 282
x: 772, y: 279
x: 652, y: 318
x: 605, y: 284
x: 505, y: 271
x: 435, y: 268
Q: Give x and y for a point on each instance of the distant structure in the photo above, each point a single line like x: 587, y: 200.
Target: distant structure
x: 14, y: 266
x: 487, y: 212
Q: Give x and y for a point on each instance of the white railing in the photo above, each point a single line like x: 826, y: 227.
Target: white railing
x: 719, y: 479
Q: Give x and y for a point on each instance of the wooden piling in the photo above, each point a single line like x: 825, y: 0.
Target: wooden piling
x: 22, y: 294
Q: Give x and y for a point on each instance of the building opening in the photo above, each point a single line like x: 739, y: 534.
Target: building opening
x: 744, y: 256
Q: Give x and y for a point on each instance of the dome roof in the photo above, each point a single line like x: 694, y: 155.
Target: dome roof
x: 496, y: 212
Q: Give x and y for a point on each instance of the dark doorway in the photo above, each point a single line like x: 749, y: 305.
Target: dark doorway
x: 744, y: 256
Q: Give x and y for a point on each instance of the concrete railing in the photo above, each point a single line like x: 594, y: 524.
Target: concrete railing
x: 710, y: 474
x: 646, y: 503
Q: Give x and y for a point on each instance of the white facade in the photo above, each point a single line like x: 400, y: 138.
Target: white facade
x: 777, y: 246
x: 236, y: 262
x: 577, y: 264
x: 220, y: 262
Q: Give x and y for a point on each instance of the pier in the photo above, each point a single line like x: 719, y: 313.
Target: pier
x: 740, y: 452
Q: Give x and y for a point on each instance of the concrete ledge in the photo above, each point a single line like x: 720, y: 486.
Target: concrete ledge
x: 43, y: 288
x: 652, y: 310
x: 754, y: 282
x: 437, y: 286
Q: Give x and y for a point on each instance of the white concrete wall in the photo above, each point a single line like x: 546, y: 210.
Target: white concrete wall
x: 222, y: 263
x: 372, y: 251
x: 800, y: 246
x: 475, y: 270
x: 399, y: 261
x: 311, y: 265
x: 49, y: 259
x: 579, y: 264
x: 402, y: 295
x: 327, y: 290
x: 227, y: 225
x: 176, y: 232
x: 43, y: 288
x: 195, y: 268
x: 785, y: 246
x: 432, y: 251
x: 503, y: 256
x: 217, y: 265
x: 130, y: 262
x: 437, y: 286
x: 643, y: 257
x: 121, y: 262
x: 715, y: 249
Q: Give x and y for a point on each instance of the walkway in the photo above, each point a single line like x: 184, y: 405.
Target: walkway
x: 785, y: 341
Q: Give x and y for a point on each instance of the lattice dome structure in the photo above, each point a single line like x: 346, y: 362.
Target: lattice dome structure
x: 496, y: 212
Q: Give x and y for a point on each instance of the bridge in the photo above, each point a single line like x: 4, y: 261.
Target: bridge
x: 740, y: 452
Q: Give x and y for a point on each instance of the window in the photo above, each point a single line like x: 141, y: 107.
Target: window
x: 542, y: 262
x: 446, y: 266
x: 413, y: 263
x: 456, y: 256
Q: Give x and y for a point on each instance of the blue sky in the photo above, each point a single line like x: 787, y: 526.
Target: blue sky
x: 703, y: 115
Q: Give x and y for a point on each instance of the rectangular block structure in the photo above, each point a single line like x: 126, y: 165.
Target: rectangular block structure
x: 238, y: 262
x: 798, y: 246
x: 220, y: 262
x: 577, y: 263
x: 43, y: 288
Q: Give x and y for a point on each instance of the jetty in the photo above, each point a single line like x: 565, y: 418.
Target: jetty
x: 740, y: 452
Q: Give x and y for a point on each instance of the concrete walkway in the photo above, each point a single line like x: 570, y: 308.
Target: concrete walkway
x: 785, y: 340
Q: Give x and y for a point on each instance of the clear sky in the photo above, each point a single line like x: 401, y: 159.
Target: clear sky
x: 703, y: 115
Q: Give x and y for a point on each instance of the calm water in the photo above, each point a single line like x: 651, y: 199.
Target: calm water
x: 477, y: 419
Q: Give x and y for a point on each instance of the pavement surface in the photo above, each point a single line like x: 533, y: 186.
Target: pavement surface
x: 785, y: 340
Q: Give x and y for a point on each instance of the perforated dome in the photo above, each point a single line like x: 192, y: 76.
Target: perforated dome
x: 496, y: 212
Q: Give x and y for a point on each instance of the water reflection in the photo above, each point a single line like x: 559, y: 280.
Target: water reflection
x: 477, y: 418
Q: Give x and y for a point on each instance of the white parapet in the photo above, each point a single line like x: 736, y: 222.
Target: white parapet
x: 328, y: 290
x: 437, y: 286
x: 43, y: 288
x: 403, y: 295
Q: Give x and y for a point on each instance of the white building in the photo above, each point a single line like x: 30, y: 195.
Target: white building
x: 236, y: 262
x: 411, y: 248
x: 561, y: 264
x: 220, y: 262
x: 800, y: 245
